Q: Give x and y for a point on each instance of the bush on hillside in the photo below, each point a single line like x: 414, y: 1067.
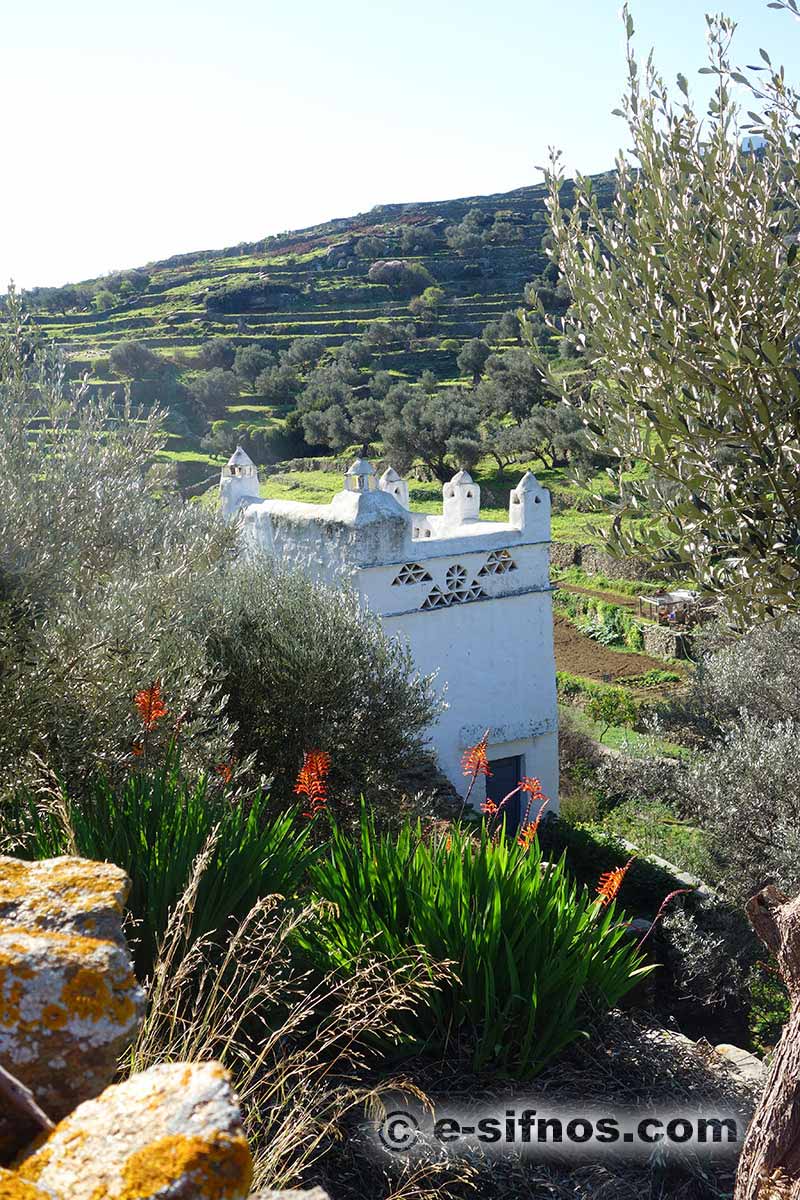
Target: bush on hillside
x: 210, y: 392
x: 404, y: 278
x: 134, y: 359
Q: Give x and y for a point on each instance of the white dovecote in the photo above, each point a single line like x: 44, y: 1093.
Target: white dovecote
x: 360, y: 477
x: 392, y: 483
x: 470, y: 597
x: 529, y: 507
x: 238, y: 484
x: 462, y: 499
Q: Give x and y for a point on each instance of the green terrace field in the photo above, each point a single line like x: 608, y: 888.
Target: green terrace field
x: 313, y: 283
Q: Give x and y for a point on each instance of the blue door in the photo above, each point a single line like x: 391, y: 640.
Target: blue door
x: 505, y: 775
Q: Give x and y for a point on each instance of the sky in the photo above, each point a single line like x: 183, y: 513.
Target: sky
x: 137, y: 129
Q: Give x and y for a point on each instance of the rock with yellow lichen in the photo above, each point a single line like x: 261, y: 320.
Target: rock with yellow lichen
x: 69, y: 1007
x: 69, y: 1001
x: 171, y: 1133
x: 67, y: 895
x: 14, y: 1188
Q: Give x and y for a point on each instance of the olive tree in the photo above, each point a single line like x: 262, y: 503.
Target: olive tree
x: 686, y: 306
x: 109, y: 582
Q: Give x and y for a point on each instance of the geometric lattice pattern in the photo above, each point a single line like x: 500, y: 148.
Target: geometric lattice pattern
x: 456, y: 578
x: 498, y: 562
x: 411, y: 573
x: 459, y: 590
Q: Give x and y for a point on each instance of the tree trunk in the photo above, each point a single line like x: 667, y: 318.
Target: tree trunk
x: 769, y: 1168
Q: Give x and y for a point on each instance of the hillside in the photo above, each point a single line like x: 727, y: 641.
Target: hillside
x: 312, y: 283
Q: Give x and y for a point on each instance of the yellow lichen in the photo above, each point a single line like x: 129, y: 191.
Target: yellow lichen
x: 218, y: 1167
x: 56, y: 889
x: 13, y: 1187
x: 53, y: 1017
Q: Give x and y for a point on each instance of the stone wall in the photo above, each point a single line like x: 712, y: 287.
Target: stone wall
x: 70, y: 1007
x: 663, y: 642
x: 597, y: 561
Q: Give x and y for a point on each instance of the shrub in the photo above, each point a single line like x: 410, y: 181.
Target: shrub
x: 155, y: 825
x: 212, y: 391
x: 710, y: 953
x: 404, y: 278
x: 613, y: 707
x: 134, y: 359
x: 589, y: 851
x: 533, y: 954
x: 652, y: 778
x: 304, y: 666
x: 747, y: 794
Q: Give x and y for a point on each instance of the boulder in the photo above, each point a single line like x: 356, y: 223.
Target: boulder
x: 68, y: 895
x: 69, y: 1002
x: 69, y: 1006
x: 742, y: 1062
x: 173, y: 1132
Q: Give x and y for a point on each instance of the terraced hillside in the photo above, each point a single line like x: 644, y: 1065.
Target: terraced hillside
x: 315, y: 283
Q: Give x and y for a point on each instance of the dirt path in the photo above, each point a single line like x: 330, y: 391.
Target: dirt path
x: 611, y: 597
x: 581, y: 655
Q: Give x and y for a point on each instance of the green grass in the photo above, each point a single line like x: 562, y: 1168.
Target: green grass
x: 638, y: 745
x: 656, y: 828
x: 604, y: 583
x: 189, y: 456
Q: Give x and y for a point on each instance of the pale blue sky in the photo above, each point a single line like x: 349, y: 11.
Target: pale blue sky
x: 137, y: 130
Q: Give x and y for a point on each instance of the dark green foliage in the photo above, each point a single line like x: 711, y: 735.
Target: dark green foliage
x: 133, y: 359
x: 217, y: 352
x: 472, y: 358
x: 155, y: 824
x: 769, y: 1007
x: 210, y: 392
x: 517, y: 382
x: 304, y: 352
x: 250, y: 361
x: 279, y: 385
x: 589, y: 853
x: 533, y: 954
x: 441, y: 430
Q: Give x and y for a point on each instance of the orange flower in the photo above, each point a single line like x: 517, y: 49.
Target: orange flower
x: 530, y: 830
x: 611, y: 882
x: 489, y: 807
x: 150, y: 704
x: 137, y: 749
x: 311, y: 781
x: 475, y: 761
x: 534, y: 792
x: 225, y: 771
